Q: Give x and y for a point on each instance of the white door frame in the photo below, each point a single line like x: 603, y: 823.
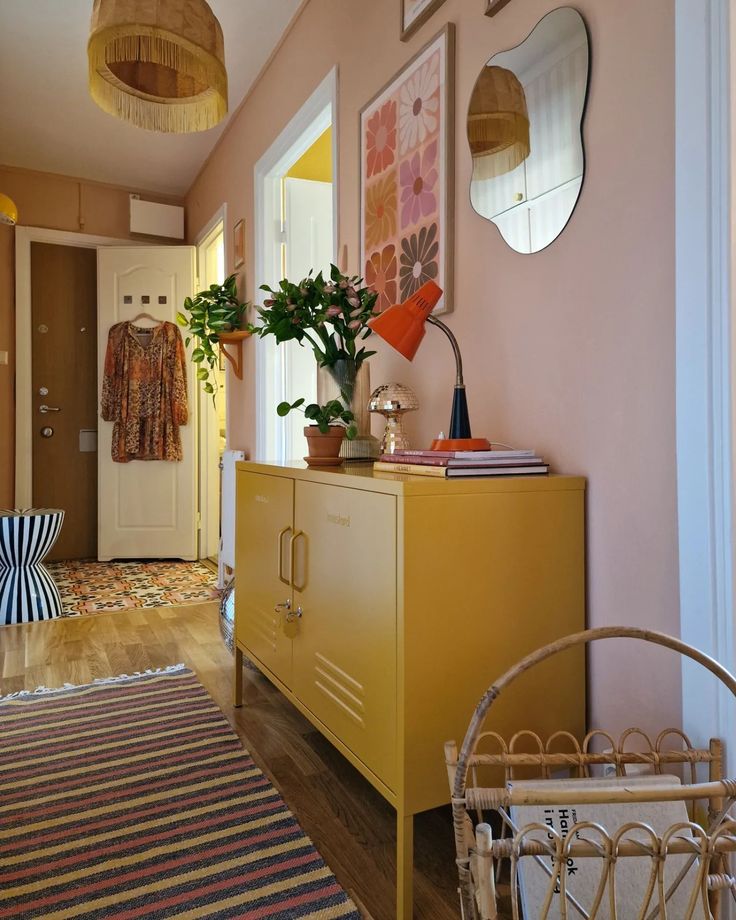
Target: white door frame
x: 309, y: 123
x: 704, y: 356
x: 208, y: 449
x: 24, y: 236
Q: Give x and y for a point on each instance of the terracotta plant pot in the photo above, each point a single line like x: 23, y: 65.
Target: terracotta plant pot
x: 324, y: 449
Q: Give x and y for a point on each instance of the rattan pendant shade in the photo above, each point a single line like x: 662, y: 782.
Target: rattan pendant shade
x: 159, y: 64
x: 498, y: 123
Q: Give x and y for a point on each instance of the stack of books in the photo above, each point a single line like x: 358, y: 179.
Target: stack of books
x: 454, y: 463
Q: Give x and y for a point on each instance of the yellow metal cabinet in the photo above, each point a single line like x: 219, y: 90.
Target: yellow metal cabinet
x: 344, y: 665
x: 383, y: 605
x: 263, y: 531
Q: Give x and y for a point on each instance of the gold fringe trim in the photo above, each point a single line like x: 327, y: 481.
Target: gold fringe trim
x: 499, y: 142
x: 156, y: 113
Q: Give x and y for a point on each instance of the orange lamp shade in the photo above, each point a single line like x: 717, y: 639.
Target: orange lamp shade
x: 402, y: 325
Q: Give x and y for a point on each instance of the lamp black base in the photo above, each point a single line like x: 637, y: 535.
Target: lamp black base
x: 460, y: 437
x: 460, y: 419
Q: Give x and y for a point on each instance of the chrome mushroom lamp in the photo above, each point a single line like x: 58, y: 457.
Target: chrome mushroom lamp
x: 393, y: 400
x: 402, y: 326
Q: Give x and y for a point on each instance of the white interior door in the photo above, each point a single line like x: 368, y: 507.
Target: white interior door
x: 147, y: 509
x: 309, y: 246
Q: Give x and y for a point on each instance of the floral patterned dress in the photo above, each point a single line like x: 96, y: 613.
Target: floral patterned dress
x: 144, y: 391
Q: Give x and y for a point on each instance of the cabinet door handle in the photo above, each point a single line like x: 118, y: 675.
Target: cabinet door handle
x: 280, y: 556
x: 292, y: 560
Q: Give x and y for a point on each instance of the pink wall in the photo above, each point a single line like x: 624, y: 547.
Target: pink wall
x: 570, y: 351
x: 58, y: 203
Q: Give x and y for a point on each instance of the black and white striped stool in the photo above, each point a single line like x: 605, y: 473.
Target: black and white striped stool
x: 27, y: 591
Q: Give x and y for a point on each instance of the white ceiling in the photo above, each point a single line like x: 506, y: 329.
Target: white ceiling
x: 49, y: 122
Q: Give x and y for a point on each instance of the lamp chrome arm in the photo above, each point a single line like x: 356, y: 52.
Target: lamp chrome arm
x: 455, y: 347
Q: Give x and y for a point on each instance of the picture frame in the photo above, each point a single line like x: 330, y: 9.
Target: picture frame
x: 239, y: 244
x: 407, y: 177
x: 495, y: 6
x: 414, y: 13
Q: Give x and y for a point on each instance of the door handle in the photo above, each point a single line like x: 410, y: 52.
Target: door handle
x: 280, y: 556
x: 292, y: 560
x: 43, y: 409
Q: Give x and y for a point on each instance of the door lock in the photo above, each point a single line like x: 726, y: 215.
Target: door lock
x: 47, y: 432
x: 293, y: 615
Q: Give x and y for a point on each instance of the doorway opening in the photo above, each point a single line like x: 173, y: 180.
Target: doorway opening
x: 212, y: 412
x: 296, y: 232
x: 65, y: 307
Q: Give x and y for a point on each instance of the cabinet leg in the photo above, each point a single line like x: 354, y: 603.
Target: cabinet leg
x: 238, y: 681
x: 404, y: 866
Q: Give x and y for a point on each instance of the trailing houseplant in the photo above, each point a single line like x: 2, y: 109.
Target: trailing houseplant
x: 206, y: 316
x: 331, y: 422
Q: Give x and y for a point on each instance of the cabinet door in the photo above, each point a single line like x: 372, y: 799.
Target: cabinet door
x: 263, y: 530
x: 345, y: 652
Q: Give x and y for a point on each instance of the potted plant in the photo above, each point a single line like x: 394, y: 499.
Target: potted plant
x: 330, y: 316
x: 209, y: 314
x: 331, y: 423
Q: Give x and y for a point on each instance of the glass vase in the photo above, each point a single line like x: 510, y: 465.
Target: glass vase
x: 351, y: 384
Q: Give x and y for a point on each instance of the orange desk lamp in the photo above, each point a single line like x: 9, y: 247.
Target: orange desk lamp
x: 402, y: 326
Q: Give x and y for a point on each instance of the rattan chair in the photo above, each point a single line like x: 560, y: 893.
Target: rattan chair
x: 491, y: 866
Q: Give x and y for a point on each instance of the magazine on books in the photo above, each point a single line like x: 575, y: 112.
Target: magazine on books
x: 466, y: 454
x: 583, y: 874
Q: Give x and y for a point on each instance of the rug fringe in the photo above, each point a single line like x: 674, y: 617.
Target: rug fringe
x: 39, y: 691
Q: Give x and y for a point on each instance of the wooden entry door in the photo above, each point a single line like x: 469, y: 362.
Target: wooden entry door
x: 64, y: 378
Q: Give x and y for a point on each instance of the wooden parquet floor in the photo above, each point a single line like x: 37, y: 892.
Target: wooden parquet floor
x: 349, y: 822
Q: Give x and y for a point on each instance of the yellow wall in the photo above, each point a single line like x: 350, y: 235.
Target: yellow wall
x: 316, y: 163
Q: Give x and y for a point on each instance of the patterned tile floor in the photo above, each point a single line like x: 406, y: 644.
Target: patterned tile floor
x: 94, y: 587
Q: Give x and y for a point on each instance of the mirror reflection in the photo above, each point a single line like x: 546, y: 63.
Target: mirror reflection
x: 525, y: 132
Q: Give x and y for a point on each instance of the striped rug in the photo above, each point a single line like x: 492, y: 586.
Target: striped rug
x: 134, y: 798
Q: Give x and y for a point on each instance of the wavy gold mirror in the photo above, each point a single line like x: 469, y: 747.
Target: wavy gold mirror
x: 525, y: 132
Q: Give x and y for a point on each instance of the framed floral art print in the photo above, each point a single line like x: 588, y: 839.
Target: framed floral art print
x: 407, y: 178
x: 414, y: 13
x: 495, y: 6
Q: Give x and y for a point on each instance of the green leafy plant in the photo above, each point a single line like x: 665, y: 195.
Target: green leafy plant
x: 206, y: 316
x: 324, y: 416
x: 330, y: 315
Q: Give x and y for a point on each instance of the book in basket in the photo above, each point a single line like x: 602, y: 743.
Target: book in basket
x: 583, y: 875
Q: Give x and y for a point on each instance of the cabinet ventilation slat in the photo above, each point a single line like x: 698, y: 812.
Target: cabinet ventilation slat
x: 339, y: 673
x: 338, y: 702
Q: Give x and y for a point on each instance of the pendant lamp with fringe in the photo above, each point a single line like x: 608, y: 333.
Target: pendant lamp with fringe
x: 158, y: 64
x: 498, y: 123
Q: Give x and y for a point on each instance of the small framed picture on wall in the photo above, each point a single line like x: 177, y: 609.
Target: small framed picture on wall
x: 495, y: 6
x: 414, y: 13
x: 239, y: 244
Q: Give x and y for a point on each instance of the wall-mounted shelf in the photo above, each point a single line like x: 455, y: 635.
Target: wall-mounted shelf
x: 235, y: 357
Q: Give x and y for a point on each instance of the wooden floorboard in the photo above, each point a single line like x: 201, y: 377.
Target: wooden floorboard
x: 349, y: 822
